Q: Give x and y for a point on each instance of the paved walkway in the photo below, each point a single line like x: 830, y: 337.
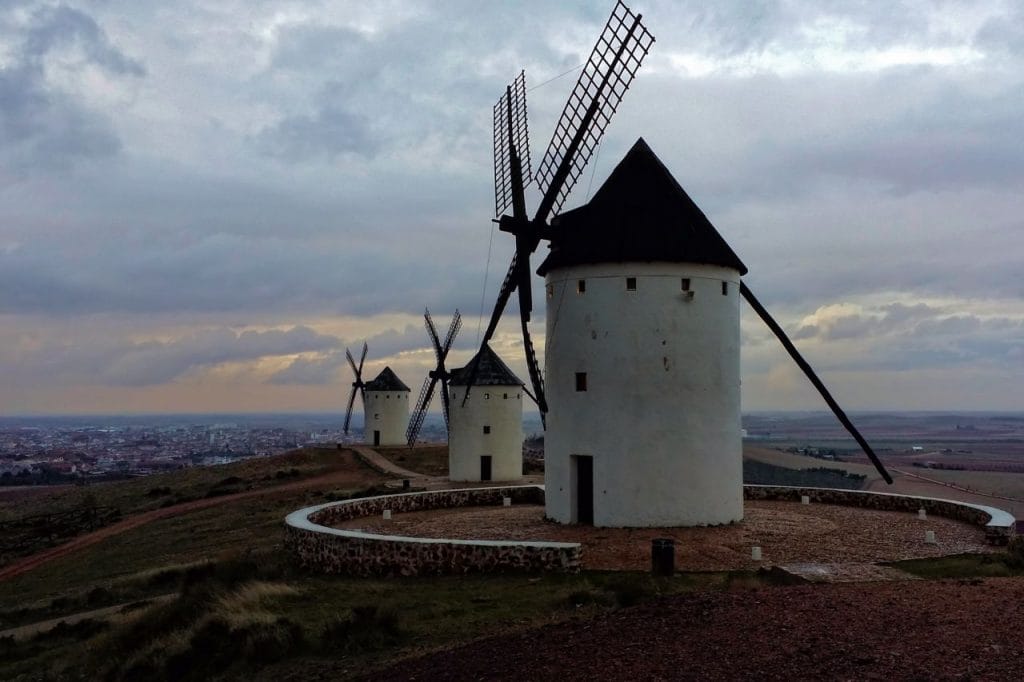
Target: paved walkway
x: 846, y: 572
x: 379, y: 462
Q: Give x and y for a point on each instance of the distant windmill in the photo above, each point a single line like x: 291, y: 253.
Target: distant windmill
x: 357, y: 385
x: 642, y: 344
x: 438, y: 374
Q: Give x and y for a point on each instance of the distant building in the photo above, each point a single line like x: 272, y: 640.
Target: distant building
x: 386, y: 409
x: 485, y: 436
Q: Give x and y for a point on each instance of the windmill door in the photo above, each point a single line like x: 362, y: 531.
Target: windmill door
x: 376, y: 437
x: 584, y: 489
x: 485, y: 467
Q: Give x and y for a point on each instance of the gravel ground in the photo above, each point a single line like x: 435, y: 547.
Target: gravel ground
x: 923, y: 630
x: 787, y: 532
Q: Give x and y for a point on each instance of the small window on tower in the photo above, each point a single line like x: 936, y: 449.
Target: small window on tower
x: 505, y: 396
x: 685, y: 284
x: 487, y: 429
x: 581, y: 286
x: 725, y: 288
x: 487, y: 396
x: 581, y: 381
x: 551, y: 290
x: 631, y: 284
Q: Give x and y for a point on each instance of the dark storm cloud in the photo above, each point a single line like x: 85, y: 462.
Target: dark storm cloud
x: 62, y: 25
x: 319, y: 371
x: 326, y: 369
x: 40, y: 126
x: 897, y: 336
x: 224, y: 273
x: 288, y: 161
x: 330, y: 132
x: 120, y: 362
x: 1003, y: 33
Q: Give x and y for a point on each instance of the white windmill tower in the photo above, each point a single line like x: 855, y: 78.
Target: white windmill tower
x: 642, y: 354
x: 485, y: 430
x: 385, y: 404
x: 386, y: 409
x: 642, y: 358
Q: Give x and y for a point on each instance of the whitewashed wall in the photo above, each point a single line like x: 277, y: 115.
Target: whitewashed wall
x: 387, y: 412
x: 661, y: 413
x: 500, y: 408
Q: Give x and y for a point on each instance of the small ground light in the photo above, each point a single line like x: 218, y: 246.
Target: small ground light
x: 755, y: 553
x: 804, y: 499
x: 922, y: 514
x: 507, y: 501
x: 387, y: 514
x: 929, y: 537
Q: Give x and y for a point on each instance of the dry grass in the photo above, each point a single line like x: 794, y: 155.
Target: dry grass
x: 429, y: 460
x: 791, y: 461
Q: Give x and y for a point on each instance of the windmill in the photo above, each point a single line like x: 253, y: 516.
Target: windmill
x: 606, y: 76
x: 678, y: 388
x: 438, y: 374
x: 357, y: 385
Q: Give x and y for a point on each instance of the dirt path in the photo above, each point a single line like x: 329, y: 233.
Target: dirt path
x: 341, y: 477
x: 379, y: 462
x: 918, y: 630
x: 32, y: 629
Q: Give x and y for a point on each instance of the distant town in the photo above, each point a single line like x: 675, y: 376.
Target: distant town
x: 53, y: 450
x: 47, y: 450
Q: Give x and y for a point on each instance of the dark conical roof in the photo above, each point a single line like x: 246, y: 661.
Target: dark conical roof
x: 491, y: 371
x: 640, y: 214
x: 386, y: 381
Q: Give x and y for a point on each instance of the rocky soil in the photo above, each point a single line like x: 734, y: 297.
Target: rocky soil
x: 919, y: 630
x: 787, y: 532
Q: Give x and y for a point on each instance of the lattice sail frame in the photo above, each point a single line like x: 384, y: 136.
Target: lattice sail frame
x: 520, y: 140
x: 440, y: 374
x: 622, y: 34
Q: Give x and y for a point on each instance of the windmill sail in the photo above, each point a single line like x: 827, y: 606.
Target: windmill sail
x: 612, y: 65
x: 438, y: 375
x: 357, y: 385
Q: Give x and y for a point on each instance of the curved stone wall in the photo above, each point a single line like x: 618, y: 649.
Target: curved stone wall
x: 332, y: 550
x: 309, y: 537
x: 998, y: 524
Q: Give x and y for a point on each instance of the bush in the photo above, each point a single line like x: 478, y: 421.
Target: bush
x: 79, y: 630
x: 1015, y: 552
x: 98, y: 596
x: 631, y: 590
x: 366, y: 628
x: 584, y: 597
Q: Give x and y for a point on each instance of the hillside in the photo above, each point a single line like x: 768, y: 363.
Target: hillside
x: 192, y: 583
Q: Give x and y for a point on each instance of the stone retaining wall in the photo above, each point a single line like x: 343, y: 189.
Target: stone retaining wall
x: 309, y: 537
x: 332, y: 550
x: 998, y: 524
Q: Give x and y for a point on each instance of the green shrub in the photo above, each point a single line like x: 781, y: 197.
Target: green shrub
x: 79, y: 630
x: 632, y: 589
x: 366, y: 628
x: 98, y: 596
x: 1015, y: 553
x: 586, y: 597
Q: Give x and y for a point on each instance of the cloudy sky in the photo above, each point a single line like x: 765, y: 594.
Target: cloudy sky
x: 202, y: 203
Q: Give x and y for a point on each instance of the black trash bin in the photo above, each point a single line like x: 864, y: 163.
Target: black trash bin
x: 663, y: 556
